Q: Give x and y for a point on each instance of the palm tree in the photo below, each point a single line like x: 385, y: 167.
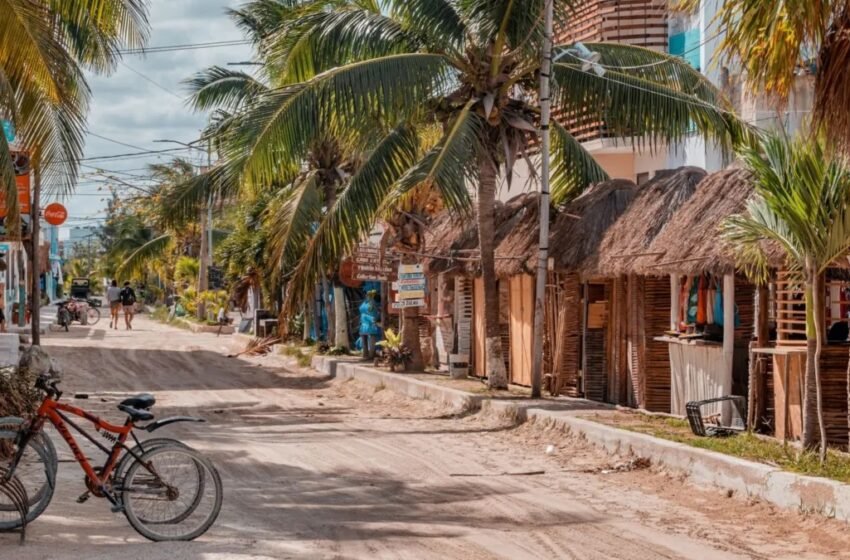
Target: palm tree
x: 143, y: 237
x: 775, y: 39
x: 44, y: 47
x: 803, y: 208
x: 467, y: 68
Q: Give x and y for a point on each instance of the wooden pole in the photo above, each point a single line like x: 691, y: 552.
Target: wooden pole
x: 35, y: 291
x: 675, y: 301
x: 728, y: 338
x: 543, y: 252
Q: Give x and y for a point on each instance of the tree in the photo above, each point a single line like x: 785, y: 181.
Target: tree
x: 467, y: 69
x: 803, y: 208
x: 775, y: 39
x: 44, y: 47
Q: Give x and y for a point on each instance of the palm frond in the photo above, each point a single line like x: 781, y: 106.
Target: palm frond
x: 648, y: 111
x: 436, y: 22
x: 222, y: 88
x: 291, y: 219
x: 573, y: 168
x: 327, y: 39
x: 95, y: 30
x: 450, y: 167
x: 182, y: 201
x: 353, y: 215
x: 138, y: 259
x: 276, y: 131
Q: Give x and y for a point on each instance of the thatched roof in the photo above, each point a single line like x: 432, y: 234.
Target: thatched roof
x: 451, y: 241
x: 581, y: 225
x: 690, y: 242
x: 657, y: 200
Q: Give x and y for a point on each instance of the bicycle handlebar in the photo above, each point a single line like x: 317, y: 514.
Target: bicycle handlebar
x: 48, y: 384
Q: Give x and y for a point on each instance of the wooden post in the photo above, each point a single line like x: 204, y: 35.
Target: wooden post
x: 763, y: 340
x: 35, y: 292
x: 728, y: 338
x: 675, y: 301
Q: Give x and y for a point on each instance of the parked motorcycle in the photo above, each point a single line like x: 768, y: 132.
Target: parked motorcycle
x: 76, y: 310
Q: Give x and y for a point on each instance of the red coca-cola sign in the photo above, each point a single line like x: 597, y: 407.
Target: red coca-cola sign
x: 55, y: 214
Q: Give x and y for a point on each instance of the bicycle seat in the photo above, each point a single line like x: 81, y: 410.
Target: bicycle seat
x: 135, y: 414
x: 142, y: 401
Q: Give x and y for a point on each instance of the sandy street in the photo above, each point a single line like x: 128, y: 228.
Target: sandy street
x: 315, y: 468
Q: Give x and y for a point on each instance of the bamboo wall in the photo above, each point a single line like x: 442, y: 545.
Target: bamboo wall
x: 657, y: 321
x: 562, y: 342
x: 789, y: 372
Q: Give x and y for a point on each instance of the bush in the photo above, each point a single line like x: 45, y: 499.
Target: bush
x: 18, y: 395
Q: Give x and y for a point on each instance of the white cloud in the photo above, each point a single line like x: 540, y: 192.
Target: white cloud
x: 129, y: 109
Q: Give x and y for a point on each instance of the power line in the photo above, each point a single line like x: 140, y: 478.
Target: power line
x: 152, y: 81
x: 185, y: 47
x: 90, y: 133
x: 133, y: 154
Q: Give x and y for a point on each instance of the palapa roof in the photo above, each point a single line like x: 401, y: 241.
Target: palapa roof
x: 656, y: 202
x: 581, y: 225
x: 690, y: 243
x: 451, y: 241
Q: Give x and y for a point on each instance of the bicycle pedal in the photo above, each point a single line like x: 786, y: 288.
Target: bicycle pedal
x: 84, y: 498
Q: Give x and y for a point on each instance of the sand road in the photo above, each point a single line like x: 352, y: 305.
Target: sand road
x: 315, y: 468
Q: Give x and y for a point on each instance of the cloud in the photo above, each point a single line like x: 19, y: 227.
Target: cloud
x: 130, y: 109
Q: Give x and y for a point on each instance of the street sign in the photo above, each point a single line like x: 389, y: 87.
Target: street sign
x: 55, y: 214
x: 410, y: 269
x: 411, y: 294
x: 405, y: 303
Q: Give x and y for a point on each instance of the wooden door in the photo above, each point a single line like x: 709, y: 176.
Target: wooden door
x: 521, y: 308
x: 479, y: 365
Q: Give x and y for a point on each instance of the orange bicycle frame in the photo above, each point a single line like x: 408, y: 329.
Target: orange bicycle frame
x: 52, y: 410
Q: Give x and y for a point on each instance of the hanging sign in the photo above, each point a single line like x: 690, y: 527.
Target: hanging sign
x: 23, y: 184
x: 410, y: 285
x: 405, y: 303
x: 55, y: 214
x: 8, y: 130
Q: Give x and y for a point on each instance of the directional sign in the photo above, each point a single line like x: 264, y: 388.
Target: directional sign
x: 411, y: 294
x: 405, y: 303
x: 410, y: 269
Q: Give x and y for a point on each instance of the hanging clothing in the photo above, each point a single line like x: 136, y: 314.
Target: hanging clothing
x: 702, y: 295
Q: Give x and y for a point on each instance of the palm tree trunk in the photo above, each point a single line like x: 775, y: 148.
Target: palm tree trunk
x: 817, y: 300
x: 813, y: 346
x: 410, y: 330
x: 341, y: 318
x: 497, y: 377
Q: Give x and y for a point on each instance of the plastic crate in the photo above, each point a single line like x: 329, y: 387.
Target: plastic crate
x: 717, y: 427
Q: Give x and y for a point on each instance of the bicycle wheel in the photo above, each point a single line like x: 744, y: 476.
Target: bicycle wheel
x: 36, y: 471
x: 93, y: 315
x: 137, y: 451
x: 167, y: 495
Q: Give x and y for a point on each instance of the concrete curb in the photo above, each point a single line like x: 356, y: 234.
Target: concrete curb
x: 781, y: 488
x: 353, y: 368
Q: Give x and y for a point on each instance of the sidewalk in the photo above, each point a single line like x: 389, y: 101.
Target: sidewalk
x: 706, y: 468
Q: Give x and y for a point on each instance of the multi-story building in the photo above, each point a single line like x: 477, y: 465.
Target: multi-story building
x: 82, y: 238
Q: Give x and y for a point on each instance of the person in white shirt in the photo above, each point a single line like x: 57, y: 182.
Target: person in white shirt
x: 113, y: 295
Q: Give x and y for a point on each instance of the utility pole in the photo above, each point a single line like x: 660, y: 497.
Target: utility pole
x: 209, y: 209
x: 35, y: 290
x: 543, y: 254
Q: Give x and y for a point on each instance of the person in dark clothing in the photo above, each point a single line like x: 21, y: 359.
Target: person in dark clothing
x: 128, y: 301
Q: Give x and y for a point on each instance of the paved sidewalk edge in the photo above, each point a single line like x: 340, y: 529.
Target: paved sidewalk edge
x: 707, y: 468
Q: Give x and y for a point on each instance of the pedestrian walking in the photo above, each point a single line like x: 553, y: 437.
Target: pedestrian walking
x: 128, y: 301
x: 113, y: 296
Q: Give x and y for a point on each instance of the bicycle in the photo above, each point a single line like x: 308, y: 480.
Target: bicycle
x: 166, y: 490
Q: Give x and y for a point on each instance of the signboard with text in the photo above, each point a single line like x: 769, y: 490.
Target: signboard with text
x: 411, y: 286
x: 23, y: 184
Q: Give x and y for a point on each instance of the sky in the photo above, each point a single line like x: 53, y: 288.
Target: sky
x: 127, y: 108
